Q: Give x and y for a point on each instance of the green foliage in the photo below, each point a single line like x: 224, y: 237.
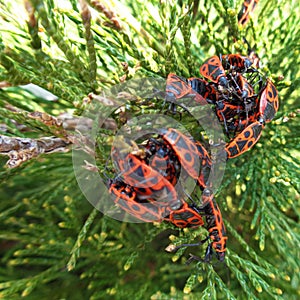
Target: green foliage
x: 53, y: 244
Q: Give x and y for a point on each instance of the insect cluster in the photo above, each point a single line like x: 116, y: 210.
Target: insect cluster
x: 150, y: 185
x: 147, y: 185
x: 242, y: 98
x: 149, y: 189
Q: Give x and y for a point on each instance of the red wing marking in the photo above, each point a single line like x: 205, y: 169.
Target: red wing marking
x: 269, y: 102
x: 178, y: 88
x: 244, y: 140
x: 212, y: 69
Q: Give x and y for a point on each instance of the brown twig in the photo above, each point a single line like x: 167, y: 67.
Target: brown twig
x: 66, y: 130
x: 20, y: 150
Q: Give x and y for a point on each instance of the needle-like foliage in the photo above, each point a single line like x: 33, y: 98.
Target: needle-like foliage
x: 53, y: 243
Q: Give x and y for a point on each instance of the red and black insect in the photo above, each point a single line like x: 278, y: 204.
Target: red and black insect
x: 214, y: 224
x: 206, y: 165
x: 186, y: 216
x: 185, y: 149
x: 239, y: 107
x: 236, y: 62
x: 161, y: 157
x: 230, y: 104
x: 126, y: 198
x: 193, y: 156
x: 269, y: 102
x: 246, y: 139
x: 178, y: 88
x: 213, y: 70
x: 147, y: 182
x: 205, y: 89
x: 150, y: 210
x: 247, y: 8
x: 243, y: 88
x: 215, y: 227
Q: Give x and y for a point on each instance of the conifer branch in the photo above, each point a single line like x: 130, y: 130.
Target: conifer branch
x: 21, y: 150
x: 49, y: 234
